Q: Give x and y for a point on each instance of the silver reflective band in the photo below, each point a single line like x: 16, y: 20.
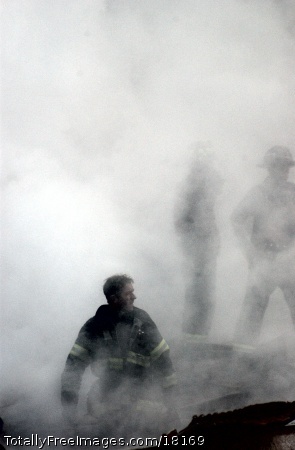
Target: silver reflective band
x: 171, y: 380
x: 79, y: 352
x: 244, y: 348
x: 136, y: 358
x: 161, y: 348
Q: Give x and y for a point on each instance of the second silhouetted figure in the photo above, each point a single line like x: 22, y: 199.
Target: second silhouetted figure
x: 197, y: 228
x: 264, y: 223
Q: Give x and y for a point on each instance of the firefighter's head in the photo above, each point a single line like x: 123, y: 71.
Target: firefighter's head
x: 119, y: 292
x: 278, y: 160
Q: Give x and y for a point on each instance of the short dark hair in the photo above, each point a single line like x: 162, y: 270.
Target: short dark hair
x: 114, y: 284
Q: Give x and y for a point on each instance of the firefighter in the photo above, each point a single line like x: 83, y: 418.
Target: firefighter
x: 264, y: 223
x: 125, y: 340
x: 196, y: 226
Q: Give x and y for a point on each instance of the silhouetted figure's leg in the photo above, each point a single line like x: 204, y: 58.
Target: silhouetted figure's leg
x: 260, y: 286
x: 200, y: 291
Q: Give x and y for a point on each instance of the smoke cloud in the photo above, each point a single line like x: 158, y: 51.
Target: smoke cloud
x: 100, y: 103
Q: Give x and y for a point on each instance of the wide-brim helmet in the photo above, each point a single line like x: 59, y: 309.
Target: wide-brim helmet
x: 277, y: 155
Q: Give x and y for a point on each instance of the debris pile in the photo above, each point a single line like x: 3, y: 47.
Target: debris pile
x: 256, y: 427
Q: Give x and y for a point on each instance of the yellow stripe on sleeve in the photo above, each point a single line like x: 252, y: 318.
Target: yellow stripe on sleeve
x: 171, y: 380
x: 161, y: 348
x: 79, y: 352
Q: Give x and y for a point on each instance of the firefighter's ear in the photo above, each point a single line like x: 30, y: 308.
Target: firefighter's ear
x: 113, y: 299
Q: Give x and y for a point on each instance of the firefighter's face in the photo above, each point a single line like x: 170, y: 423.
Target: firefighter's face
x: 125, y: 299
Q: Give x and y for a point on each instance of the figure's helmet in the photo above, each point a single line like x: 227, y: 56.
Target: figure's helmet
x: 277, y: 155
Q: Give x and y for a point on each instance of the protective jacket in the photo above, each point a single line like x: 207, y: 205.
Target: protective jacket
x: 128, y: 345
x: 271, y: 208
x: 264, y: 222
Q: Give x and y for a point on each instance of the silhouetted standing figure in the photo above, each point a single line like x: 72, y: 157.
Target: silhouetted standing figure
x: 197, y: 228
x: 264, y: 223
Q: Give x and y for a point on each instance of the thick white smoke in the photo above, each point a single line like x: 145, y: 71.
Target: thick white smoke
x: 100, y: 101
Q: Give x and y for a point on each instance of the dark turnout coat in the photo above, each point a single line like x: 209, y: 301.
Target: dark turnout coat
x: 128, y: 345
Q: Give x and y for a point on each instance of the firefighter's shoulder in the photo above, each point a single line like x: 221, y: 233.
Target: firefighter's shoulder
x: 142, y: 315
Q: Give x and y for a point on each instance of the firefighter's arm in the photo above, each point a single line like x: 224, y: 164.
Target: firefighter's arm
x: 78, y: 359
x: 71, y: 379
x: 162, y: 365
x: 163, y: 369
x: 160, y: 359
x: 158, y: 351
